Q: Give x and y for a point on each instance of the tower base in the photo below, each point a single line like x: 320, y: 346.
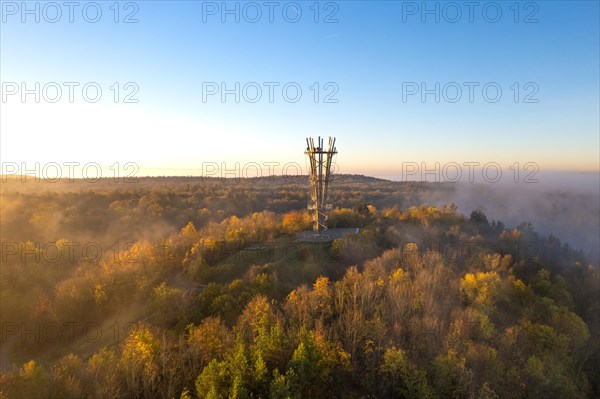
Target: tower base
x: 325, y: 236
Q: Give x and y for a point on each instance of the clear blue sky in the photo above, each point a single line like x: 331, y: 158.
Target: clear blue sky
x: 372, y: 56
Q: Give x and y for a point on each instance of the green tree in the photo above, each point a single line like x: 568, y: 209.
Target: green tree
x: 450, y: 376
x: 212, y: 382
x: 306, y: 365
x: 400, y: 379
x: 282, y: 386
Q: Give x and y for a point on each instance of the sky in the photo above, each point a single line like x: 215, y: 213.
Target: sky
x: 192, y: 87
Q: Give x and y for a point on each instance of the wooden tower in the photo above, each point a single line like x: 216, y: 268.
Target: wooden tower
x: 320, y: 174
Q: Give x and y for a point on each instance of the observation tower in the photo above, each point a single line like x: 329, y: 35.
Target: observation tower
x: 320, y: 176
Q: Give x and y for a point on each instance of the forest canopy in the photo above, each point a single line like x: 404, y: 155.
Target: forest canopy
x: 190, y: 287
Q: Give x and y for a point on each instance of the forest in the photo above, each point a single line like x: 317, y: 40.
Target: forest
x: 190, y: 287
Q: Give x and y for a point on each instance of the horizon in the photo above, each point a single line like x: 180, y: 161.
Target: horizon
x: 557, y: 179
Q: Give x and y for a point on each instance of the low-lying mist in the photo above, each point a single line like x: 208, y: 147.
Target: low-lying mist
x: 564, y: 204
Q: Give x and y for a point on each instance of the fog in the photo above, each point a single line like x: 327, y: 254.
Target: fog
x: 564, y: 204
